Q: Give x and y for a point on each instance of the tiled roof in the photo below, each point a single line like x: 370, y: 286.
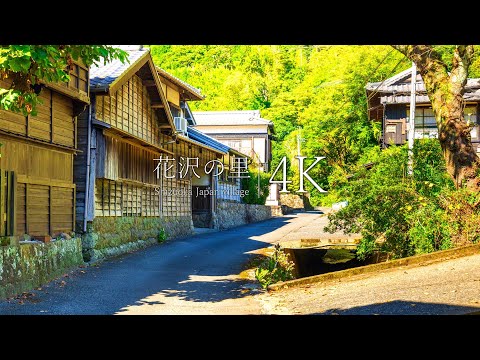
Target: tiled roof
x: 246, y: 117
x: 396, y: 90
x: 398, y: 83
x: 101, y: 76
x: 206, y: 140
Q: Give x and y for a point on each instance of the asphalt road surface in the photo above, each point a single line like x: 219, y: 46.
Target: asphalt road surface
x: 196, y: 275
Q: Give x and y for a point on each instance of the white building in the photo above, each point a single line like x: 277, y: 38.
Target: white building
x: 244, y: 131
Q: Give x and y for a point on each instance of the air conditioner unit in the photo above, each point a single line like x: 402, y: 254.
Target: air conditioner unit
x: 180, y: 124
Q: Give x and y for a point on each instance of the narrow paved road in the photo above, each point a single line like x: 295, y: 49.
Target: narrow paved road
x: 450, y: 287
x: 196, y: 275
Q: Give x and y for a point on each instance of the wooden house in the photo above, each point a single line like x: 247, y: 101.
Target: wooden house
x: 37, y: 181
x: 389, y: 104
x: 243, y: 130
x: 228, y: 187
x: 246, y: 132
x: 136, y: 115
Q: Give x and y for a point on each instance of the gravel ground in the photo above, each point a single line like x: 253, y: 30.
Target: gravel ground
x: 448, y: 287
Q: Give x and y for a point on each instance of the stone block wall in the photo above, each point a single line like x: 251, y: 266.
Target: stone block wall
x: 296, y: 201
x: 202, y: 220
x: 28, y: 266
x: 112, y: 236
x: 231, y: 214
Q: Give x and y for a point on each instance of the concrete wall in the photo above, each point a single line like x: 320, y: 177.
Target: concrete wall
x: 27, y: 266
x: 231, y: 214
x: 112, y: 236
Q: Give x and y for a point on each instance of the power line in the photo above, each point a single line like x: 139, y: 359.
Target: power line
x: 373, y: 73
x: 390, y: 73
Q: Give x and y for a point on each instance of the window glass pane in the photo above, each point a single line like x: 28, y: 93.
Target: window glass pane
x: 474, y: 133
x: 428, y: 112
x: 418, y: 112
x: 430, y: 121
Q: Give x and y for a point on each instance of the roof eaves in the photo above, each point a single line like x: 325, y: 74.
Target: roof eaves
x: 181, y: 83
x: 132, y: 68
x: 196, y: 142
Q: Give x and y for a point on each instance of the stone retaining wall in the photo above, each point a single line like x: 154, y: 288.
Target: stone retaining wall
x: 27, y: 266
x: 296, y: 201
x: 112, y: 236
x: 231, y: 214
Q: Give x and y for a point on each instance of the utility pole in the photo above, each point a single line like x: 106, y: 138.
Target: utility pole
x: 411, y: 121
x: 299, y: 139
x: 299, y: 153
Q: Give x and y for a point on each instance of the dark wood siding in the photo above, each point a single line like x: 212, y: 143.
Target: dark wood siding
x: 80, y: 167
x: 396, y: 111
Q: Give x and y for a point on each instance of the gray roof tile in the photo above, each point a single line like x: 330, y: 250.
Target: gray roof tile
x: 206, y: 140
x: 102, y: 75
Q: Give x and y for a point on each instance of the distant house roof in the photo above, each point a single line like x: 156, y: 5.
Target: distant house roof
x: 245, y: 117
x: 206, y: 140
x: 193, y: 92
x: 396, y: 90
x: 103, y: 75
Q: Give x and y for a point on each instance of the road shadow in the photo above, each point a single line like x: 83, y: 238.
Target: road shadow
x: 400, y: 307
x: 199, y: 269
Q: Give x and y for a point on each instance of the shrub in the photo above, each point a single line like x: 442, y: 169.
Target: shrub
x: 275, y: 268
x: 402, y: 214
x: 251, y: 184
x: 162, y: 236
x: 430, y: 230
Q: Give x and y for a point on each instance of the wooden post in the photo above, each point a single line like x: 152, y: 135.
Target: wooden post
x: 50, y: 206
x: 2, y: 202
x: 74, y: 228
x: 12, y: 204
x: 27, y: 230
x: 51, y: 117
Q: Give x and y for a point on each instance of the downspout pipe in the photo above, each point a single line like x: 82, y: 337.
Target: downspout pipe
x: 87, y: 180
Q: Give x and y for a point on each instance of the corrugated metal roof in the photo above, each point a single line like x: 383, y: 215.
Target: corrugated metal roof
x: 102, y: 75
x: 206, y: 140
x: 245, y: 117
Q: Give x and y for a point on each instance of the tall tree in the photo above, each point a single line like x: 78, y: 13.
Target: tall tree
x: 30, y: 65
x: 445, y: 84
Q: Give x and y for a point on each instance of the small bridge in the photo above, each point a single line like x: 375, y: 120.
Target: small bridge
x: 309, y: 254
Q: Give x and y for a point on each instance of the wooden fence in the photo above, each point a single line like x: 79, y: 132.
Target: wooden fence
x: 7, y: 201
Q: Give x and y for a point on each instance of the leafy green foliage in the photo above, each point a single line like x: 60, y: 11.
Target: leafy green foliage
x: 162, y: 236
x: 275, y: 268
x: 320, y: 89
x: 429, y: 168
x: 251, y: 184
x: 29, y: 65
x: 405, y: 215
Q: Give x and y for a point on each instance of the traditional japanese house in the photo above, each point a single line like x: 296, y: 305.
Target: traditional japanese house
x: 246, y: 132
x: 389, y: 103
x: 226, y: 184
x: 37, y: 181
x: 123, y: 195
